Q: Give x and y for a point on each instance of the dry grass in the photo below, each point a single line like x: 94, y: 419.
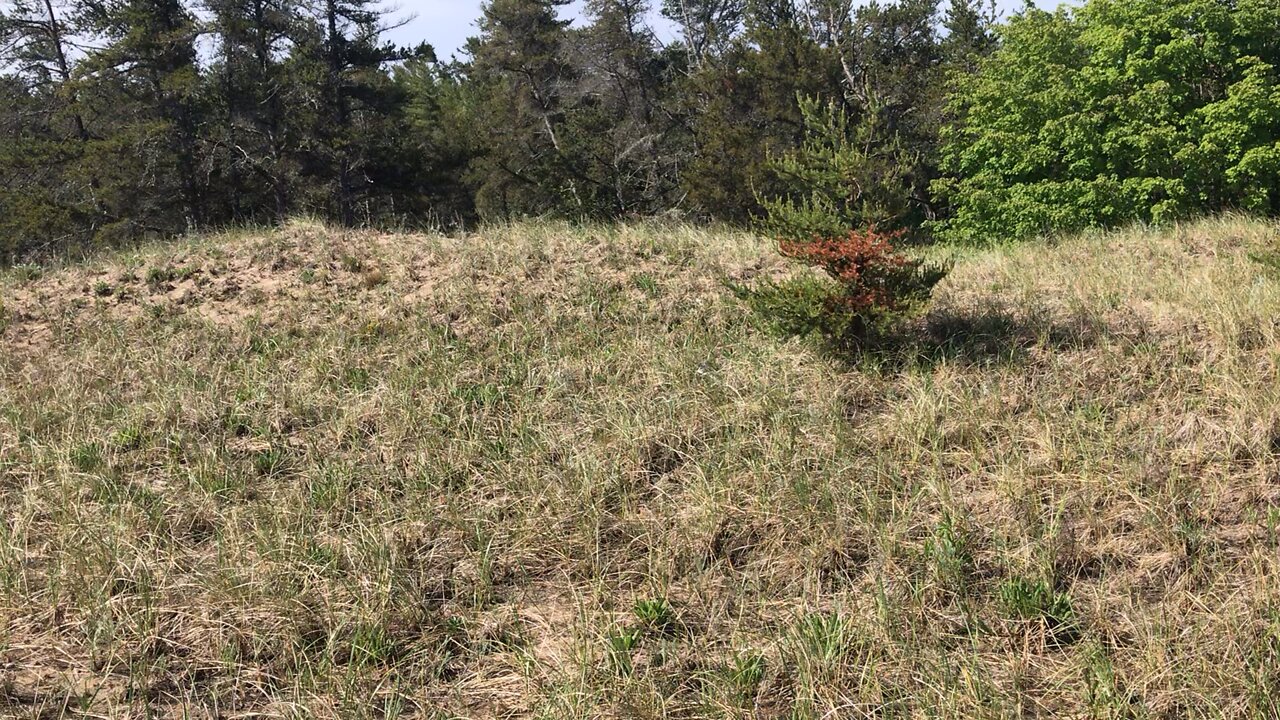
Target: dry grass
x: 556, y: 473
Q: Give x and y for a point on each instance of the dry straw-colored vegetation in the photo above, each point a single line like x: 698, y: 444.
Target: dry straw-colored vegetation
x: 562, y: 473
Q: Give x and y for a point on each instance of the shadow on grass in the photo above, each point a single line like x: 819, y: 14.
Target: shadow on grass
x: 973, y: 336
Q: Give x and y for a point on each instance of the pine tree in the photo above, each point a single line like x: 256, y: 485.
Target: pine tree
x: 441, y: 112
x: 708, y: 27
x: 35, y: 36
x: 35, y: 39
x: 354, y: 150
x: 42, y: 208
x: 146, y: 80
x: 896, y: 100
x: 743, y: 106
x: 970, y: 30
x: 519, y: 60
x: 623, y: 113
x: 250, y: 89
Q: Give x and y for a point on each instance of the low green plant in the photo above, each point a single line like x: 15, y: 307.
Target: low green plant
x: 949, y: 551
x: 87, y: 457
x: 1269, y: 260
x: 130, y: 437
x: 28, y: 272
x: 746, y: 673
x: 822, y: 641
x: 269, y: 462
x: 655, y: 614
x: 351, y: 263
x: 620, y: 645
x: 371, y: 644
x: 1027, y: 599
x: 647, y: 284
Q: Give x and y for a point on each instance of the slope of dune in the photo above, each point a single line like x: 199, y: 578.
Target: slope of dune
x: 544, y: 471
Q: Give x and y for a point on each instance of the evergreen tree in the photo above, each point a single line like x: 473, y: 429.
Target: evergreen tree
x: 442, y: 112
x: 708, y: 27
x: 743, y: 107
x: 42, y: 209
x: 35, y: 42
x: 519, y: 60
x: 970, y: 26
x: 354, y: 152
x: 249, y: 89
x: 145, y: 80
x: 623, y: 121
x: 896, y: 101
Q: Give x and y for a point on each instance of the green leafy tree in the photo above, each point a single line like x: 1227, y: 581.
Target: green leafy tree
x: 1141, y: 110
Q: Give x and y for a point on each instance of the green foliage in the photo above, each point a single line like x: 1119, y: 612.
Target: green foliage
x: 1123, y: 110
x: 185, y: 115
x: 950, y: 553
x: 161, y: 274
x: 746, y: 673
x: 821, y: 643
x: 1027, y: 599
x: 835, y: 184
x: 655, y: 614
x: 621, y: 644
x: 842, y: 176
x: 845, y: 313
x: 269, y: 462
x: 741, y: 108
x: 87, y: 457
x: 440, y: 112
x: 521, y: 68
x: 1268, y: 260
x: 27, y: 272
x: 182, y: 116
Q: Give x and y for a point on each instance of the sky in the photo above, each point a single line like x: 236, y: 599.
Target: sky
x: 446, y: 24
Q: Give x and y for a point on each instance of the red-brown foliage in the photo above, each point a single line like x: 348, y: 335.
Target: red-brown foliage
x: 865, y: 262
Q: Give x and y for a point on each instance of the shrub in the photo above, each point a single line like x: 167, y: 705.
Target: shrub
x: 872, y: 274
x: 870, y: 286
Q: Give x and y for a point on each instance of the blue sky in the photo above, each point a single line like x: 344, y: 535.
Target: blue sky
x: 446, y: 24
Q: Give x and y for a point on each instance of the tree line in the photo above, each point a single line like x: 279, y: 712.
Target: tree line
x: 124, y: 119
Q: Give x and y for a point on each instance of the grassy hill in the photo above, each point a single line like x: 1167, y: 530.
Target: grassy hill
x: 562, y: 473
